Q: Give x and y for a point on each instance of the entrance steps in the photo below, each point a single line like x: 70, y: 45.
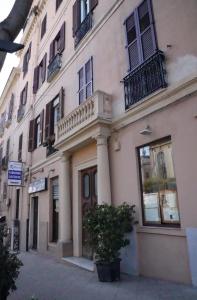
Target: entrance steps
x: 81, y: 262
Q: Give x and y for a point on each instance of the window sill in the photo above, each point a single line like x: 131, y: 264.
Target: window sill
x: 161, y: 230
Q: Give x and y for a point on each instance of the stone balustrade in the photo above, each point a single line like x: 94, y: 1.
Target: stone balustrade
x: 96, y: 108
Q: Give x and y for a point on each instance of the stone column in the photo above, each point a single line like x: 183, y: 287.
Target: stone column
x: 65, y: 207
x: 104, y: 185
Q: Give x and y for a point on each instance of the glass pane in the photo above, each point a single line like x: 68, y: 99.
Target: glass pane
x: 88, y: 71
x: 81, y: 79
x: 131, y: 32
x: 144, y: 22
x: 89, y: 90
x: 86, y: 186
x: 158, y: 183
x: 81, y: 96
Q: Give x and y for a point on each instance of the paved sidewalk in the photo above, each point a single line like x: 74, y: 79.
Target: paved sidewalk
x: 49, y: 279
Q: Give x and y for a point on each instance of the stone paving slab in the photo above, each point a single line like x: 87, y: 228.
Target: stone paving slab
x: 49, y: 279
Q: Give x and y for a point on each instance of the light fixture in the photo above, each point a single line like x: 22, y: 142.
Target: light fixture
x: 146, y: 131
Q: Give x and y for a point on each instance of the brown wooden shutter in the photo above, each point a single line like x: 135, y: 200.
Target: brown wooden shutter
x: 24, y: 62
x: 44, y: 63
x: 35, y: 83
x: 48, y: 121
x: 42, y: 126
x: 11, y: 107
x: 51, y: 52
x: 93, y: 4
x: 8, y: 149
x: 20, y: 147
x: 31, y: 143
x: 61, y: 45
x: 62, y: 97
x: 29, y: 51
x: 76, y: 16
x: 25, y: 94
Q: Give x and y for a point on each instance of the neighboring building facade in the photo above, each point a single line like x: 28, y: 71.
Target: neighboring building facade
x: 106, y: 111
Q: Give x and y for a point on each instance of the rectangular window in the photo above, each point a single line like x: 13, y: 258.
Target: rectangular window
x: 158, y: 184
x: 54, y: 112
x: 85, y: 9
x: 20, y: 145
x: 86, y: 81
x: 55, y: 209
x: 26, y: 60
x: 58, y: 44
x: 141, y: 37
x: 17, y: 203
x: 36, y: 132
x: 23, y: 95
x: 43, y: 26
x: 58, y: 2
x: 39, y: 74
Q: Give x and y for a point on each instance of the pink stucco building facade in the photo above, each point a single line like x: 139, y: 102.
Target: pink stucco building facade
x: 105, y: 99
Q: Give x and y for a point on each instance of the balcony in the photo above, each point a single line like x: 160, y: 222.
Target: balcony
x: 85, y: 26
x: 54, y: 67
x: 145, y: 79
x: 20, y: 113
x: 96, y: 109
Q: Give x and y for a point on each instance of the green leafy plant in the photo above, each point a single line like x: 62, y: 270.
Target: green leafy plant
x: 9, y: 265
x: 106, y: 226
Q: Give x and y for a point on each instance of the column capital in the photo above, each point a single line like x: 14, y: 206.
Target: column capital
x: 101, y: 140
x: 65, y: 156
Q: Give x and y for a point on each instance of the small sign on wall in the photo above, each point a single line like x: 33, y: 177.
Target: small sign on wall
x: 14, y: 173
x: 38, y: 185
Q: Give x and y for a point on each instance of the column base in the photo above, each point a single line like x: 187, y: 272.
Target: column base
x: 65, y: 249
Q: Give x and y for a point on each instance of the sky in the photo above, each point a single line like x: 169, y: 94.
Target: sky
x: 11, y: 59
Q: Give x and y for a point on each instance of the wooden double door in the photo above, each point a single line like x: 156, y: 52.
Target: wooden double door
x: 89, y: 200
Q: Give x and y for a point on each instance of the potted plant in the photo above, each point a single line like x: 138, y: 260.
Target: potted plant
x: 9, y: 265
x: 106, y: 226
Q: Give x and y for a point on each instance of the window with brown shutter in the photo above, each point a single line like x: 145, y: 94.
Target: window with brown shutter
x: 20, y: 144
x: 48, y: 121
x: 76, y: 16
x: 41, y: 126
x: 31, y: 143
x: 11, y: 108
x: 61, y: 97
x: 35, y: 82
x: 61, y: 45
x: 58, y: 2
x: 93, y: 4
x: 58, y: 44
x: 82, y: 18
x: 40, y: 74
x: 43, y: 26
x: 23, y: 95
x: 26, y: 60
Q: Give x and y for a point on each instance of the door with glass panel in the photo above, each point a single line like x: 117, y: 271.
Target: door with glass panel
x: 89, y: 200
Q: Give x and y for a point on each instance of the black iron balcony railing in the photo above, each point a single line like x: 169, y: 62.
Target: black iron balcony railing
x: 145, y: 79
x: 85, y: 26
x: 54, y: 67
